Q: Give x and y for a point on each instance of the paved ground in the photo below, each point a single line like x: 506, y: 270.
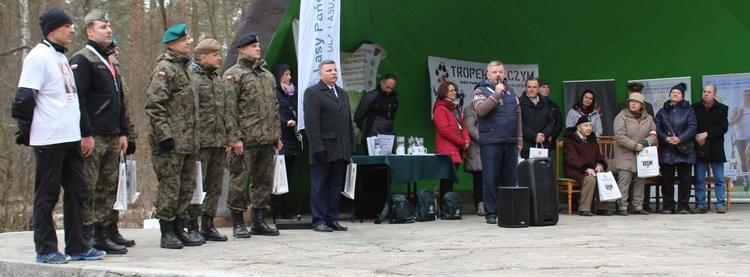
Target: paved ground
x: 685, y: 245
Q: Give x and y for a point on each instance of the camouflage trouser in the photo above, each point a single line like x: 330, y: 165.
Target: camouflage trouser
x: 213, y: 161
x: 256, y: 165
x: 101, y: 172
x: 176, y: 176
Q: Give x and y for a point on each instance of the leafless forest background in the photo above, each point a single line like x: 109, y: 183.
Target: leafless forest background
x: 138, y: 26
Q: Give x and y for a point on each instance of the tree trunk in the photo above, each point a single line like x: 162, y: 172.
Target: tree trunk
x: 262, y: 17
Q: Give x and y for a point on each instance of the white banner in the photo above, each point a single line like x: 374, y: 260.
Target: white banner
x: 656, y: 91
x: 360, y: 69
x: 467, y: 74
x: 318, y: 41
x: 733, y: 90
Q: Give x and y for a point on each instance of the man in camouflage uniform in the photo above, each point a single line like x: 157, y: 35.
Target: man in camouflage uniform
x: 172, y: 108
x: 213, y: 137
x: 253, y: 127
x: 104, y: 128
x: 113, y: 232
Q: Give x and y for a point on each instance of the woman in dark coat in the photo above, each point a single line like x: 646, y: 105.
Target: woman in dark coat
x: 582, y: 161
x: 676, y: 125
x: 287, y: 97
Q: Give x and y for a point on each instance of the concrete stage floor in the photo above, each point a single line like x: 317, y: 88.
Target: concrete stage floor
x: 679, y: 245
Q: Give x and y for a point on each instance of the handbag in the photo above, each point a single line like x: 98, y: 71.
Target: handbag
x: 121, y: 204
x: 685, y: 147
x: 607, y: 184
x: 198, y: 193
x: 647, y: 162
x: 280, y: 182
x: 351, y: 181
x: 541, y: 152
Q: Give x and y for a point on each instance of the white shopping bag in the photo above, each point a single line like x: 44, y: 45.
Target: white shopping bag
x: 540, y: 152
x: 608, y: 189
x: 647, y: 162
x: 280, y: 182
x: 151, y: 222
x: 132, y: 181
x: 351, y: 180
x: 198, y: 193
x: 121, y: 204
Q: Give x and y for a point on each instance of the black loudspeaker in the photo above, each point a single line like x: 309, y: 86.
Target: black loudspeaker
x: 513, y: 207
x: 538, y: 174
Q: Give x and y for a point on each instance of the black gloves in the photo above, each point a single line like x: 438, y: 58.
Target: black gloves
x: 319, y: 157
x: 166, y: 145
x: 21, y: 138
x: 131, y: 148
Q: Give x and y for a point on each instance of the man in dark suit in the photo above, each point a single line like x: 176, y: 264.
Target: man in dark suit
x: 330, y: 132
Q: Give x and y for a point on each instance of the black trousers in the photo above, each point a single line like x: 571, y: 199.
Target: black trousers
x: 446, y: 185
x: 59, y: 168
x: 477, y: 184
x: 683, y: 189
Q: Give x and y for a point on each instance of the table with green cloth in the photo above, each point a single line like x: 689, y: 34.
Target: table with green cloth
x: 407, y: 169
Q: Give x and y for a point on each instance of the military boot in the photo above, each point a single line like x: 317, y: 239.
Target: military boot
x: 116, y: 237
x: 168, y: 237
x: 179, y: 230
x: 239, y: 230
x: 209, y: 231
x: 193, y: 230
x: 102, y: 242
x: 88, y: 234
x: 259, y: 225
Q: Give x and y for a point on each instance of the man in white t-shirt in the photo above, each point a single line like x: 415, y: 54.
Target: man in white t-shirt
x: 46, y: 108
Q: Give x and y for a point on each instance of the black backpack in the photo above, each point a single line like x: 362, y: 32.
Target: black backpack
x: 402, y: 212
x: 452, y: 206
x: 426, y: 205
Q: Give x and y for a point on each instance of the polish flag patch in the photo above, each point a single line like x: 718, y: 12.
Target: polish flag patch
x: 74, y: 66
x: 229, y: 77
x: 161, y: 73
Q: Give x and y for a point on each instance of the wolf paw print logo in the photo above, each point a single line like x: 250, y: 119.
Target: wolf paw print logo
x: 442, y: 73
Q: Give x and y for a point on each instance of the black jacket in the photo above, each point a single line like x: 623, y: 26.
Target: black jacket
x: 556, y: 113
x: 376, y: 113
x: 328, y: 123
x: 99, y: 94
x: 535, y: 119
x: 680, y: 119
x: 287, y: 111
x: 714, y: 122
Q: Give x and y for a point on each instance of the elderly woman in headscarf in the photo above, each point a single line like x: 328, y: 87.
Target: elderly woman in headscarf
x: 634, y: 130
x: 582, y: 161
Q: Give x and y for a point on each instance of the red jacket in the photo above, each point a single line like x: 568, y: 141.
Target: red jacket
x: 448, y: 138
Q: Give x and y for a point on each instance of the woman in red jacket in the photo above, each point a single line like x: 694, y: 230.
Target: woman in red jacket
x: 451, y: 136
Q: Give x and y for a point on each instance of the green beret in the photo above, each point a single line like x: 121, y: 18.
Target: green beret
x: 175, y: 32
x: 247, y: 39
x: 207, y: 46
x: 95, y: 15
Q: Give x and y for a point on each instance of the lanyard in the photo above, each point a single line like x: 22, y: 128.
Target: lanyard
x: 108, y: 64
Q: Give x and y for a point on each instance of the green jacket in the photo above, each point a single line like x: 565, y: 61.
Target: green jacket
x: 212, y: 110
x: 172, y: 105
x: 252, y: 107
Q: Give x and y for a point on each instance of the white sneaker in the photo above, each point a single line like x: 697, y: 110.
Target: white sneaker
x: 480, y: 209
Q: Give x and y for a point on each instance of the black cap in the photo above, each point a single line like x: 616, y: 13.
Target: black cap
x: 635, y: 87
x: 52, y: 19
x: 247, y: 39
x: 543, y: 83
x: 582, y: 120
